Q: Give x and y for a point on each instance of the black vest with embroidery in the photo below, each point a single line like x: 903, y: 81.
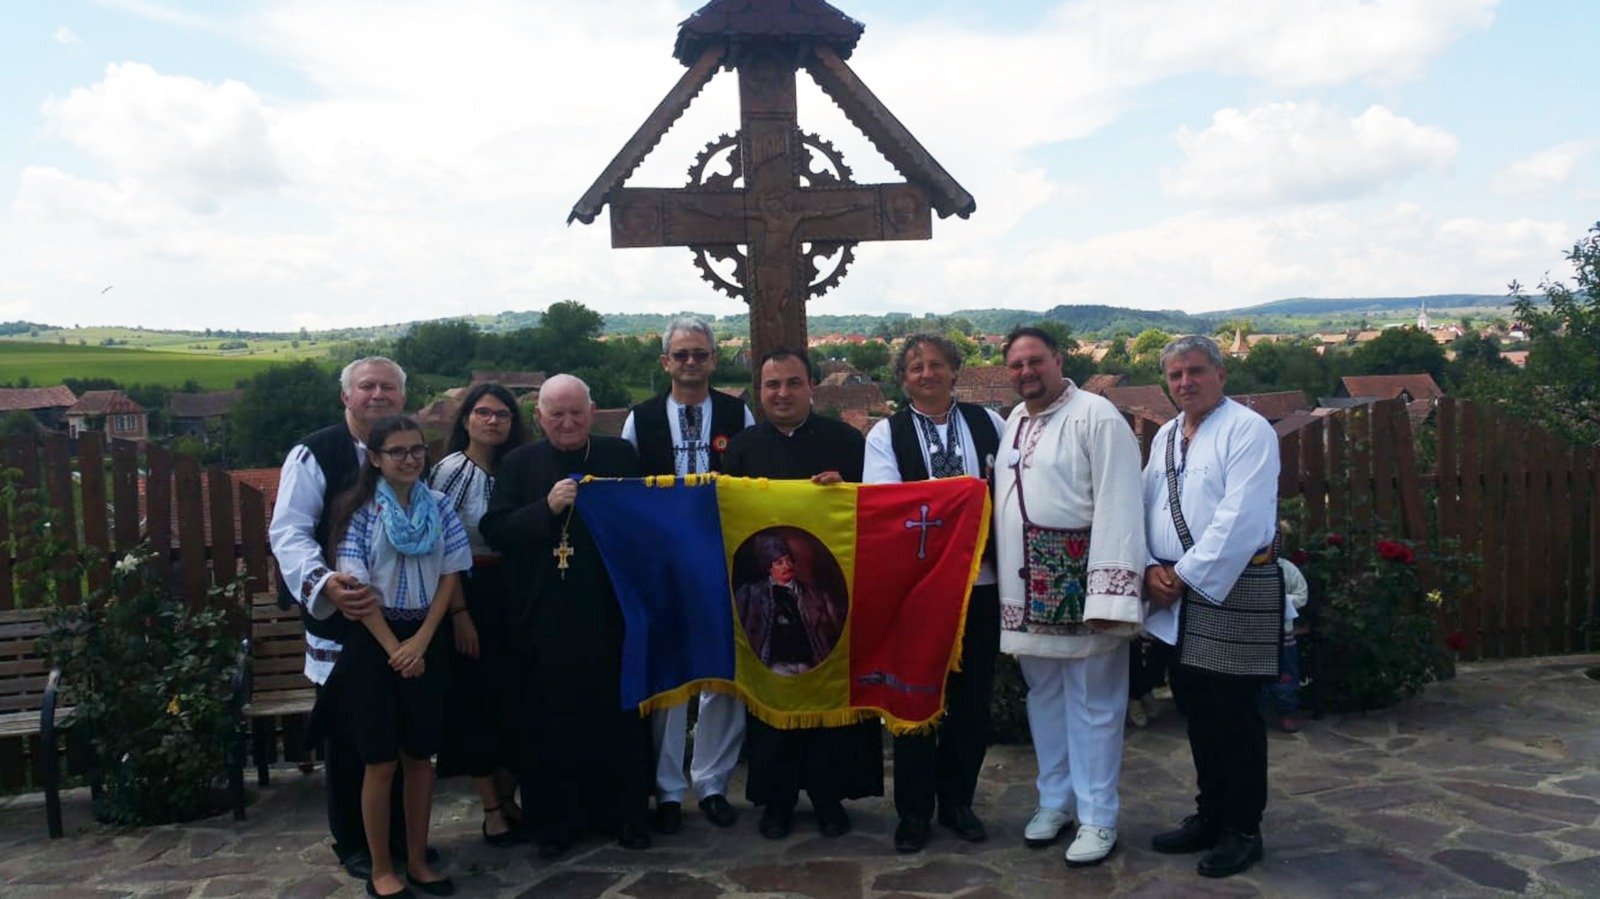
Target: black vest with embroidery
x: 907, y: 445
x: 654, y: 435
x: 335, y: 453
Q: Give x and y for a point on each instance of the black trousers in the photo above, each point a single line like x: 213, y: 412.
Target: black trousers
x: 1228, y: 739
x: 344, y: 771
x: 945, y: 763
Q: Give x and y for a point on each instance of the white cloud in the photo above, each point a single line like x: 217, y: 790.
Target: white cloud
x: 64, y: 36
x: 1303, y: 43
x: 201, y: 141
x: 1541, y: 173
x: 1295, y: 153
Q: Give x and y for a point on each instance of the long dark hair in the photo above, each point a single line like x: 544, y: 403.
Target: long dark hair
x: 344, y: 505
x: 516, y: 435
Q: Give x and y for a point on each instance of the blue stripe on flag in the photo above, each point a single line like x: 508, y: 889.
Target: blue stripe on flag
x: 663, y: 549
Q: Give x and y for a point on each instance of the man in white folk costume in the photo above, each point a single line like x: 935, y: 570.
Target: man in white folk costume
x: 1210, y: 495
x: 1069, y: 531
x: 682, y: 432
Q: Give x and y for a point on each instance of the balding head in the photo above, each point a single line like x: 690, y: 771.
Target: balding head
x: 565, y: 411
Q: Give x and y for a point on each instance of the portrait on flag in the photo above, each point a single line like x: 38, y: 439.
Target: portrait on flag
x: 792, y: 600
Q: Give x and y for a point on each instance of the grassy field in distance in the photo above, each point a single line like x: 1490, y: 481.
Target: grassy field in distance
x: 45, y: 364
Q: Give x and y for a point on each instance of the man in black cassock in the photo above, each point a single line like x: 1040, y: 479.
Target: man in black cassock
x: 589, y: 763
x: 831, y: 763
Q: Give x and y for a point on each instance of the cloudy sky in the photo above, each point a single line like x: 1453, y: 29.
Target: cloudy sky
x: 284, y: 163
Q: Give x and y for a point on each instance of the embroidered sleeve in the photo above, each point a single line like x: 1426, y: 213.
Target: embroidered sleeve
x: 1114, y: 582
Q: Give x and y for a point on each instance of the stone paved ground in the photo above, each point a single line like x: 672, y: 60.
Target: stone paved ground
x: 1488, y: 783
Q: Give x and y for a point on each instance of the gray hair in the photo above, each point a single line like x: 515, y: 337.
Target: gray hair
x: 692, y: 324
x: 347, y: 377
x: 947, y: 348
x: 1181, y: 345
x: 559, y: 382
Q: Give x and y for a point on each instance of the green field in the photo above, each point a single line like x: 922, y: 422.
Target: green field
x: 45, y: 364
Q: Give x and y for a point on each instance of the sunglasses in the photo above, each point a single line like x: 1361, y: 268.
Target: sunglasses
x: 484, y: 413
x: 686, y: 355
x: 402, y: 453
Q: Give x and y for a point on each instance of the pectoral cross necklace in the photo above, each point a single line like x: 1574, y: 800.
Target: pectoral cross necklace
x: 564, y: 550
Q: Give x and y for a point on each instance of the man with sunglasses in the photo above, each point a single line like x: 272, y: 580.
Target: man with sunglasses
x: 684, y: 431
x: 321, y: 466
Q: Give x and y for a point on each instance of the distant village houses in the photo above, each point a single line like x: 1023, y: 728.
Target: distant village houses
x: 112, y: 412
x: 47, y: 405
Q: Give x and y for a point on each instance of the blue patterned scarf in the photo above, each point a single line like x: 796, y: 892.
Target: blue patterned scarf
x: 413, y: 533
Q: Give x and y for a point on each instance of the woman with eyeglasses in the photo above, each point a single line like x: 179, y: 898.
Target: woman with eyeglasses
x: 406, y: 544
x: 482, y: 712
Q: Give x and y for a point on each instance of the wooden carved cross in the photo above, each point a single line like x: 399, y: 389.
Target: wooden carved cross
x: 788, y: 200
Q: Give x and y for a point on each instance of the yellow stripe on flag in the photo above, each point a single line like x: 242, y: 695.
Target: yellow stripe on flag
x: 751, y: 507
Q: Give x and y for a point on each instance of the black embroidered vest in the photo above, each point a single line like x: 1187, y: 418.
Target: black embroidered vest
x: 335, y: 453
x: 651, y: 429
x: 908, y: 447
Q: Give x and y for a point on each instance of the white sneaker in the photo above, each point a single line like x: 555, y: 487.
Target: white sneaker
x: 1092, y: 846
x: 1046, y: 827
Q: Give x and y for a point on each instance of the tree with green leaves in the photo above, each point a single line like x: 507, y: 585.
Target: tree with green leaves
x: 279, y: 406
x: 1399, y: 351
x: 1560, y: 387
x: 438, y: 348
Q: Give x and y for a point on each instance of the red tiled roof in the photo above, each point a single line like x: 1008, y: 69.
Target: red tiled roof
x: 985, y: 385
x: 1148, y: 400
x: 838, y: 398
x: 608, y: 422
x: 204, y: 405
x: 1276, y: 406
x: 31, y: 398
x: 1101, y: 383
x: 512, y: 380
x: 105, y: 402
x: 1420, y: 386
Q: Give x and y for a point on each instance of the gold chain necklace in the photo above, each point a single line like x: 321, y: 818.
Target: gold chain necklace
x: 564, y: 550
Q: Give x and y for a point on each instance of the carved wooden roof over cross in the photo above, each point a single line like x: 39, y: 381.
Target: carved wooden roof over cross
x: 723, y: 20
x: 772, y: 213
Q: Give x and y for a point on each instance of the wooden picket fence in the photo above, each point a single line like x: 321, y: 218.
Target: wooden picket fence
x: 1520, y: 500
x: 105, y: 501
x: 1526, y: 504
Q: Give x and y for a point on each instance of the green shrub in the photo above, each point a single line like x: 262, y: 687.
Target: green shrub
x: 150, y: 681
x: 1376, y: 633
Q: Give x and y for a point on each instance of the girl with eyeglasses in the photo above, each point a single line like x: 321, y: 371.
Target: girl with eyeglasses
x: 406, y: 542
x: 483, y: 705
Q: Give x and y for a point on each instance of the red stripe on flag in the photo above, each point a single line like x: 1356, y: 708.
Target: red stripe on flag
x: 906, y: 611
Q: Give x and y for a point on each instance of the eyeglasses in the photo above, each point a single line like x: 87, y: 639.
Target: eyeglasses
x: 686, y: 355
x: 402, y: 453
x: 484, y: 413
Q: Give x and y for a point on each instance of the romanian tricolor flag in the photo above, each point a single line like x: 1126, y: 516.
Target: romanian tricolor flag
x: 817, y: 605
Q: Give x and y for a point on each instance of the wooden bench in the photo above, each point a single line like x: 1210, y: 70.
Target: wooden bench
x: 275, y: 695
x: 28, y: 691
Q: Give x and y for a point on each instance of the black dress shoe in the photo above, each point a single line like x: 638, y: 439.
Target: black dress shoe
x: 554, y: 845
x: 668, y: 818
x: 718, y: 811
x: 833, y: 821
x: 358, y: 864
x: 635, y: 835
x: 911, y: 835
x: 444, y: 886
x: 1233, y: 853
x: 776, y: 822
x: 1195, y: 834
x: 964, y: 824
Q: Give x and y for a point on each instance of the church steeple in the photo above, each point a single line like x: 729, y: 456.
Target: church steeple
x: 1422, y: 317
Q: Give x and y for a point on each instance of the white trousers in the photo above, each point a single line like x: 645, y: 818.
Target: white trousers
x: 1076, y: 709
x: 718, y: 735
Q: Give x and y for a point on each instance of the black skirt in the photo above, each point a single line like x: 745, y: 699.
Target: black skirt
x: 483, y: 700
x: 388, y: 713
